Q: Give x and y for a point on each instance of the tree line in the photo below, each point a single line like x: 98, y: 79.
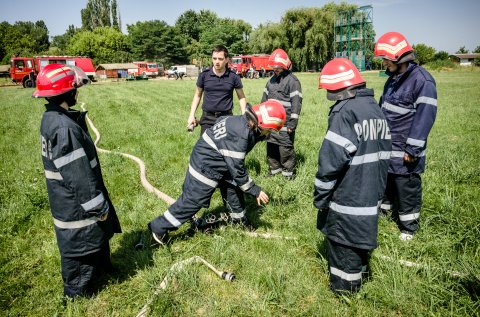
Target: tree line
x: 306, y: 34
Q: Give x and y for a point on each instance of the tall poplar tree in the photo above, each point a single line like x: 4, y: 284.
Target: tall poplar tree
x: 100, y: 13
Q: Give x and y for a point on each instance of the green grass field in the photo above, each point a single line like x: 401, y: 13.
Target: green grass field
x: 274, y: 277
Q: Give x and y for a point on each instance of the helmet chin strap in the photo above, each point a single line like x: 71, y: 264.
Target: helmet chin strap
x: 407, y: 57
x: 71, y: 98
x: 251, y: 116
x: 342, y: 94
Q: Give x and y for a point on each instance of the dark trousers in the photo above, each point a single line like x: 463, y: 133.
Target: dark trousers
x: 80, y: 273
x: 403, y: 196
x: 281, y: 159
x: 347, y: 267
x: 196, y: 195
x: 208, y: 118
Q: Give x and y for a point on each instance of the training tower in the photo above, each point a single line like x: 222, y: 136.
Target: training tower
x: 354, y: 36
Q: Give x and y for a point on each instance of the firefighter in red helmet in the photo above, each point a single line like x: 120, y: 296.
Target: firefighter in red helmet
x: 218, y: 158
x: 352, y: 174
x: 83, y: 215
x: 285, y: 87
x: 409, y: 102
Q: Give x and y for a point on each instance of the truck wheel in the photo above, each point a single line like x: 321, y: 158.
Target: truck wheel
x: 28, y: 83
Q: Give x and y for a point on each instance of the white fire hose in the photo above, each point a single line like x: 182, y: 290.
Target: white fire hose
x: 149, y: 187
x: 178, y: 266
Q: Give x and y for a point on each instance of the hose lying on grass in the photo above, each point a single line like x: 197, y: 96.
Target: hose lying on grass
x: 149, y: 187
x: 178, y: 266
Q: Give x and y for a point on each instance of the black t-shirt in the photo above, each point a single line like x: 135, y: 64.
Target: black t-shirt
x: 218, y: 91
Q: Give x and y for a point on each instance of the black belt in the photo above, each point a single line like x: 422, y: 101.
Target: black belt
x: 218, y: 113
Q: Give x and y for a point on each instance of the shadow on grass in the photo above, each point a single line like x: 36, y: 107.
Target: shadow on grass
x: 322, y: 249
x: 128, y: 258
x: 252, y: 164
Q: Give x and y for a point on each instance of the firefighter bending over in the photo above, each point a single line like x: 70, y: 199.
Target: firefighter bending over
x: 217, y: 160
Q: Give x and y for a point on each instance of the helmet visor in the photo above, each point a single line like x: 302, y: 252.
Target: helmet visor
x: 80, y: 77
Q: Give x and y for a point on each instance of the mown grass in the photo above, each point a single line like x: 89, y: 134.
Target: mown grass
x: 274, y: 277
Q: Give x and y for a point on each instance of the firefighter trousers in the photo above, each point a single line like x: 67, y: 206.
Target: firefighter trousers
x: 80, y: 273
x: 196, y: 195
x: 281, y: 159
x: 403, y: 196
x: 348, y: 266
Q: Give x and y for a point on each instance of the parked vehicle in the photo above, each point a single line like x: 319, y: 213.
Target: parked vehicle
x: 244, y: 64
x: 25, y: 69
x: 177, y: 71
x: 147, y: 69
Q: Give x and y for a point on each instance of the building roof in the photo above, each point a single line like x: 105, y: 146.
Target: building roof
x: 4, y: 68
x: 471, y: 55
x: 116, y: 66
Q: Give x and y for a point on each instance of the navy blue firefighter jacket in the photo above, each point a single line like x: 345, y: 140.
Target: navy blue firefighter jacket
x: 409, y: 103
x: 76, y: 190
x: 220, y: 155
x: 352, y: 171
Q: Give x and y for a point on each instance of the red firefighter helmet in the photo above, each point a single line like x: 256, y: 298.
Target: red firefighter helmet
x: 57, y: 79
x: 392, y: 46
x: 279, y: 59
x: 339, y: 73
x: 270, y: 114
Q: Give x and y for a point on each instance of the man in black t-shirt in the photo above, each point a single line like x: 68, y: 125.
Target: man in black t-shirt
x: 218, y: 83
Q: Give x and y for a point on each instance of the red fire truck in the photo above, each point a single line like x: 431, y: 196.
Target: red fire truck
x: 241, y: 64
x: 24, y: 70
x: 149, y: 69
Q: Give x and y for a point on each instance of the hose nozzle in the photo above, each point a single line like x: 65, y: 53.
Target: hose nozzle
x: 228, y: 276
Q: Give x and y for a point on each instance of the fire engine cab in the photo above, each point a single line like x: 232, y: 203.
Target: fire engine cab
x: 24, y: 70
x: 243, y: 64
x: 149, y: 69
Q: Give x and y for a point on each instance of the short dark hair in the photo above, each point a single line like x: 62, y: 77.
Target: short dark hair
x: 220, y: 48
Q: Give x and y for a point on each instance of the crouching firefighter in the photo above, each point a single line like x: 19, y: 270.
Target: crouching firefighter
x: 83, y: 215
x: 217, y: 160
x: 352, y: 174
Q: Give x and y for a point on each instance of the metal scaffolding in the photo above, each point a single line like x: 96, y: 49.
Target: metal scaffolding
x: 354, y: 37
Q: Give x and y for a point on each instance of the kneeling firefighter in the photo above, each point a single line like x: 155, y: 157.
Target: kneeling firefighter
x: 217, y: 160
x: 352, y: 174
x: 83, y: 215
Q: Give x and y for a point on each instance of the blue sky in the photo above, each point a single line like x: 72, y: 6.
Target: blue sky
x: 444, y: 25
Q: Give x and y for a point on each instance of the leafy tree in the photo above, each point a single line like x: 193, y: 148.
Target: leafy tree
x: 22, y: 39
x: 188, y: 25
x: 477, y: 50
x: 104, y: 45
x: 231, y: 33
x: 266, y: 38
x: 424, y: 53
x: 38, y: 31
x: 309, y: 34
x: 202, y: 31
x: 100, y: 13
x: 442, y: 55
x: 156, y: 40
x: 116, y: 16
x: 462, y: 50
x: 61, y: 41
